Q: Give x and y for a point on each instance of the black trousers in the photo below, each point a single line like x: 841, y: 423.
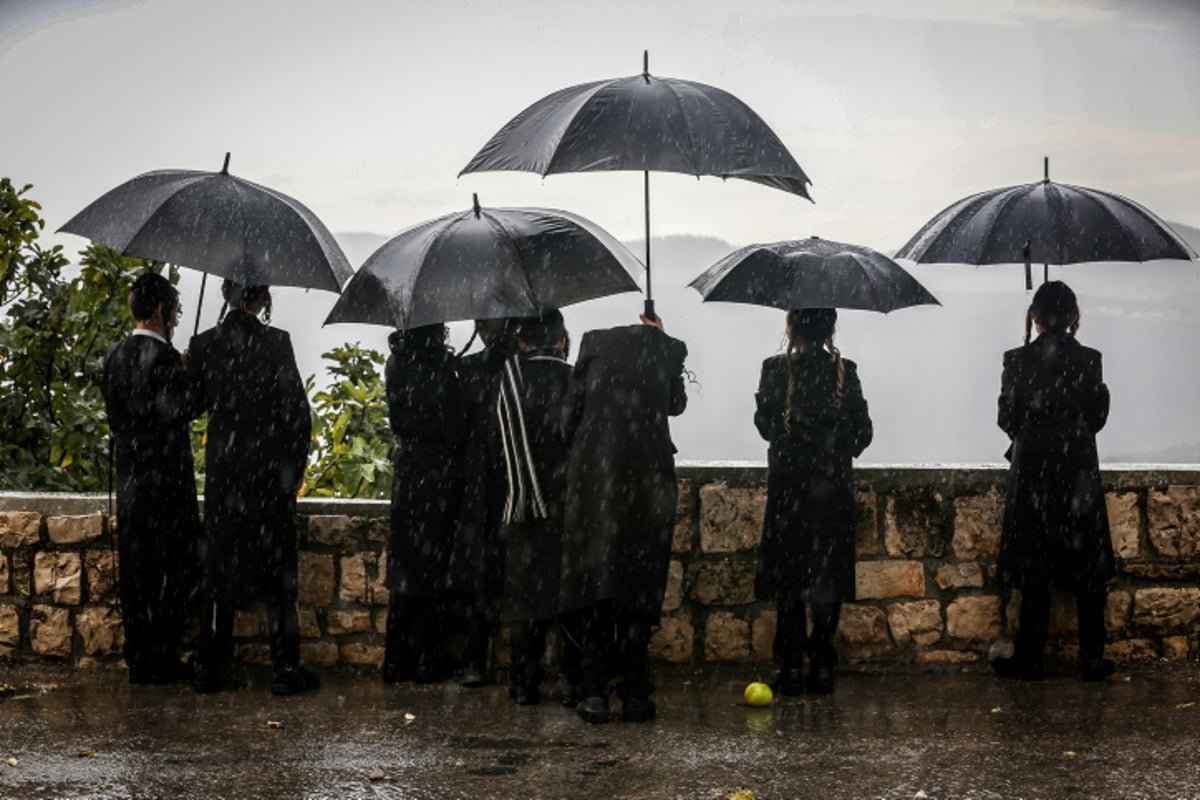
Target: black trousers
x: 528, y: 640
x: 415, y: 632
x: 154, y: 589
x: 613, y: 642
x: 792, y: 640
x: 1035, y: 621
x: 216, y: 633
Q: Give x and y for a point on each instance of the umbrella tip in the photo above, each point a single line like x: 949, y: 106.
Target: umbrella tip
x: 1045, y: 169
x: 225, y: 166
x: 646, y: 65
x: 475, y: 204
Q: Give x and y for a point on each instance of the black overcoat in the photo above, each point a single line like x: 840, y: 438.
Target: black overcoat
x: 474, y: 566
x: 533, y: 547
x: 807, y: 548
x: 1053, y: 401
x: 259, y: 426
x: 426, y: 415
x: 150, y: 406
x: 621, y: 489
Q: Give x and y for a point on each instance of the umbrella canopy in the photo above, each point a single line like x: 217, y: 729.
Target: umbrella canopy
x: 486, y: 263
x: 217, y: 223
x: 1045, y: 222
x: 643, y: 123
x: 812, y: 273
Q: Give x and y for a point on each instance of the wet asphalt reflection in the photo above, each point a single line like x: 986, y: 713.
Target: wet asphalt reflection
x: 88, y: 734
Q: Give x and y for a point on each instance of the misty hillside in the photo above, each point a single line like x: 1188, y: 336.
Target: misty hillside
x: 930, y: 374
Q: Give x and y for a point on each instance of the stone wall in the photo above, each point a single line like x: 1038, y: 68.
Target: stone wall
x: 927, y: 591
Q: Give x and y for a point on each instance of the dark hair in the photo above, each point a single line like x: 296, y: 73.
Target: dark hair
x: 423, y: 337
x: 150, y: 291
x: 543, y: 331
x: 807, y: 327
x: 238, y: 295
x: 1055, y: 307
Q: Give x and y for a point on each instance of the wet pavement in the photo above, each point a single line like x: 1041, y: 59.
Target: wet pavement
x: 88, y: 734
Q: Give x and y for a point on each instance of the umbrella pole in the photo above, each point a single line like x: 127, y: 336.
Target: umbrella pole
x: 200, y: 304
x: 649, y: 310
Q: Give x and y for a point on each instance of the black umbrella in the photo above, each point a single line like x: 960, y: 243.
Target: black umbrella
x: 217, y: 223
x: 486, y: 263
x: 812, y: 273
x: 1049, y: 222
x: 643, y: 123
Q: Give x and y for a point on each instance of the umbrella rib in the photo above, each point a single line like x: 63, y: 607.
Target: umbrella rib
x: 510, y: 238
x: 568, y: 129
x: 1091, y: 196
x: 688, y: 125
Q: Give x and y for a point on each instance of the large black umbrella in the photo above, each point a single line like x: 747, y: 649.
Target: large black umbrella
x: 643, y: 123
x: 812, y: 273
x: 486, y: 263
x: 1049, y: 222
x: 217, y: 223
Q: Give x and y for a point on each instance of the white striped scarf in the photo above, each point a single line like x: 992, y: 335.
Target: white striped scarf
x: 524, y: 489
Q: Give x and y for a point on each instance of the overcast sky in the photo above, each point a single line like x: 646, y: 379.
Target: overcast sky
x: 366, y: 112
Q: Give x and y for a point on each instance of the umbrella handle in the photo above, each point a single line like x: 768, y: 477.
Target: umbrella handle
x: 1028, y: 269
x: 649, y: 310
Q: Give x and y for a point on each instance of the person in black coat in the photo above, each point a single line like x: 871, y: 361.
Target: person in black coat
x: 811, y: 411
x: 529, y: 436
x: 259, y: 426
x: 1055, y: 533
x: 148, y: 400
x: 620, y: 508
x: 475, y: 570
x: 426, y: 416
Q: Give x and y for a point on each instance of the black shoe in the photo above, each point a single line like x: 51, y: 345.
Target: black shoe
x: 471, y: 676
x: 206, y: 679
x: 1095, y: 670
x: 639, y: 709
x: 593, y: 710
x: 820, y: 679
x: 572, y: 693
x: 1018, y: 669
x: 525, y: 693
x: 790, y: 681
x: 293, y: 680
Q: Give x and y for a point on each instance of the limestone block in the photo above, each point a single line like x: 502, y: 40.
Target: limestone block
x: 1156, y: 571
x: 685, y: 514
x: 1173, y: 520
x: 354, y: 586
x: 673, y: 598
x: 947, y: 657
x: 762, y: 635
x: 73, y: 530
x: 3, y: 573
x: 726, y: 637
x: 731, y: 519
x: 100, y: 630
x: 1116, y: 613
x: 862, y: 625
x: 966, y: 575
x: 100, y: 567
x: 341, y: 622
x: 254, y: 653
x: 977, y: 521
x: 378, y: 591
x: 59, y: 575
x: 333, y: 530
x: 1166, y: 610
x: 316, y: 578
x: 1124, y: 521
x: 721, y: 583
x: 866, y: 525
x: 10, y: 630
x: 362, y: 654
x: 309, y: 627
x: 974, y: 618
x: 247, y: 624
x: 913, y: 524
x: 919, y: 623
x: 1175, y: 648
x: 319, y: 654
x: 19, y: 528
x: 880, y: 580
x: 50, y: 631
x: 1132, y: 651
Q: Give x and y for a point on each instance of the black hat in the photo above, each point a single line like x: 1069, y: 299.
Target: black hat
x: 1054, y: 304
x: 814, y: 324
x: 148, y: 292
